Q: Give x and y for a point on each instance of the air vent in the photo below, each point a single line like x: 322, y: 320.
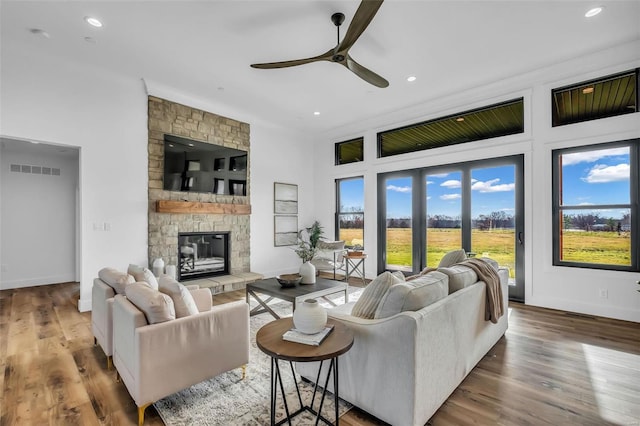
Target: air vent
x: 36, y: 170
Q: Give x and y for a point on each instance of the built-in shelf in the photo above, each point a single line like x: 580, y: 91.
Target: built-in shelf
x: 190, y: 207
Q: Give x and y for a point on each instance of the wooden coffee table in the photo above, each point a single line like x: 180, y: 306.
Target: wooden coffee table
x: 272, y: 288
x: 269, y: 340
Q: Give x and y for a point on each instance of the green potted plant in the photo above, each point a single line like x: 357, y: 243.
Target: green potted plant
x: 307, y: 241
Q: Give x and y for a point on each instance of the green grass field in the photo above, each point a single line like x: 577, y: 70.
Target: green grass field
x: 499, y: 244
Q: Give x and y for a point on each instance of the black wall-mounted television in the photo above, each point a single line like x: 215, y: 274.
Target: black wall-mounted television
x: 192, y: 166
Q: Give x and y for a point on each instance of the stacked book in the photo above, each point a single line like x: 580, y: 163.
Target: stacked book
x: 294, y: 335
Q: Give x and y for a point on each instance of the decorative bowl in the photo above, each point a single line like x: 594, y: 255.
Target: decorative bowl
x: 289, y: 280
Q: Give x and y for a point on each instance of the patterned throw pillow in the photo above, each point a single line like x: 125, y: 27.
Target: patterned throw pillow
x: 451, y: 258
x: 373, y: 293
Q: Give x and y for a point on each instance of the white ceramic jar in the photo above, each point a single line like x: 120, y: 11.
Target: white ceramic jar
x: 158, y: 267
x: 309, y: 317
x: 308, y: 273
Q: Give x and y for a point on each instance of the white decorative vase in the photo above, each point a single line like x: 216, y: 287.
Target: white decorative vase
x: 171, y: 271
x: 309, y: 317
x: 158, y: 267
x: 308, y: 273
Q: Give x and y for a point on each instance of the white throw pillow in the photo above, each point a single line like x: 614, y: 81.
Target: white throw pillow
x: 413, y: 295
x: 460, y: 276
x: 144, y: 274
x: 373, y: 293
x: 183, y: 301
x: 451, y: 258
x: 116, y: 279
x: 157, y: 307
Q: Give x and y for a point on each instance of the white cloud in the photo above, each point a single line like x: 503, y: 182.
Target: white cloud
x: 603, y: 174
x: 508, y: 210
x: 428, y: 198
x: 450, y: 196
x: 440, y: 175
x: 402, y: 189
x: 586, y: 204
x: 429, y: 182
x: 489, y: 186
x: 451, y: 184
x: 592, y: 156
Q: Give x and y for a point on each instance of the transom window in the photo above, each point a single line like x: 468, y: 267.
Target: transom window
x: 351, y: 151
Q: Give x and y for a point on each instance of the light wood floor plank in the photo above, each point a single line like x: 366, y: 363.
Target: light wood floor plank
x: 551, y: 368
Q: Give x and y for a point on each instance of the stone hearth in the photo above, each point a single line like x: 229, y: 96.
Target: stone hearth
x: 170, y: 118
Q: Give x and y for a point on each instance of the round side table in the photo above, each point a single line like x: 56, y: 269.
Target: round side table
x: 269, y: 340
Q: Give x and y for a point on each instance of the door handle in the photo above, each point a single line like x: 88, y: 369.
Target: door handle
x: 520, y: 239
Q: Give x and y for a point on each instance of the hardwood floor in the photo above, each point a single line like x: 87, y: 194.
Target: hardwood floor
x: 552, y: 367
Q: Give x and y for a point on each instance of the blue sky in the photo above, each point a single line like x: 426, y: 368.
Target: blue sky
x: 589, y: 178
x: 492, y: 189
x: 597, y: 177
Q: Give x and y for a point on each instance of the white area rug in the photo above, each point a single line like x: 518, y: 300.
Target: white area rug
x: 228, y: 400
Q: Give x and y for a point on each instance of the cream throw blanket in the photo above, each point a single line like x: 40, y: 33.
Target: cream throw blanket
x: 494, y: 307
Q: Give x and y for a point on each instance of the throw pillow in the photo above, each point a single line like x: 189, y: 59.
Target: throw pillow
x: 451, y: 258
x: 155, y: 306
x: 491, y: 262
x: 115, y: 279
x: 413, y: 295
x: 399, y: 275
x: 460, y: 276
x: 373, y: 293
x: 326, y: 250
x: 144, y: 274
x: 183, y: 301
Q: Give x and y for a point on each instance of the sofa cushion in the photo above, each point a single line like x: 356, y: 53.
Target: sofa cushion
x: 182, y: 298
x: 116, y: 279
x: 141, y: 273
x: 157, y: 307
x: 373, y: 293
x: 491, y: 262
x: 460, y: 276
x: 413, y: 295
x: 452, y: 257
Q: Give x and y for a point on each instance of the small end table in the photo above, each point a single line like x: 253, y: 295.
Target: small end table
x: 269, y: 340
x: 354, y: 263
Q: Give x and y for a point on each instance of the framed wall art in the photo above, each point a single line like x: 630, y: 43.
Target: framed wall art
x: 285, y: 230
x: 285, y: 198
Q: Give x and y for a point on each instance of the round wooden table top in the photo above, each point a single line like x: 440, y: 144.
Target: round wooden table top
x: 269, y: 340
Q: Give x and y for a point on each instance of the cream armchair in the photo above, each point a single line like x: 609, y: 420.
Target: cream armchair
x: 102, y: 317
x: 157, y: 360
x: 329, y: 256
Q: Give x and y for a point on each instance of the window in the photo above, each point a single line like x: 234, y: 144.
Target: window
x: 595, y: 206
x: 604, y: 97
x: 492, y: 121
x: 350, y: 211
x: 350, y: 151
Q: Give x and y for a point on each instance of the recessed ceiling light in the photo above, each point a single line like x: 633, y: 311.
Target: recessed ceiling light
x: 460, y: 119
x: 94, y: 22
x: 593, y: 12
x: 411, y: 78
x: 316, y: 113
x: 38, y: 31
x: 587, y: 90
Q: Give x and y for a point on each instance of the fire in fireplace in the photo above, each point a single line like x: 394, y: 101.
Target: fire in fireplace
x: 203, y: 254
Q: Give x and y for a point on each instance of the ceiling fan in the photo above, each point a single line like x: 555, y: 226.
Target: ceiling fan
x: 340, y: 54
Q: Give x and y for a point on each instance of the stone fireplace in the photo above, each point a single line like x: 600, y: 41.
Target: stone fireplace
x: 175, y: 214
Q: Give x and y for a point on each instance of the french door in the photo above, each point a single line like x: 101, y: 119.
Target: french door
x: 477, y: 206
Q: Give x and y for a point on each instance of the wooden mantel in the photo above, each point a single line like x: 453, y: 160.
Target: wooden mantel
x: 194, y: 207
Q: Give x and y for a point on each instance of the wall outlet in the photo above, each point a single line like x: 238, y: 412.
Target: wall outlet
x: 604, y: 293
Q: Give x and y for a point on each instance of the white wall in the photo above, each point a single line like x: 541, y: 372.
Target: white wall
x: 38, y: 218
x: 49, y: 100
x: 571, y: 289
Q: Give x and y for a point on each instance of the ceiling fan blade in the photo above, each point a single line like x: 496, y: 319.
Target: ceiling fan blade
x: 283, y: 64
x: 365, y: 73
x: 364, y: 15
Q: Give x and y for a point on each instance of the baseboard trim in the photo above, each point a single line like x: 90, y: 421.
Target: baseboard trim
x: 32, y: 282
x: 84, y: 305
